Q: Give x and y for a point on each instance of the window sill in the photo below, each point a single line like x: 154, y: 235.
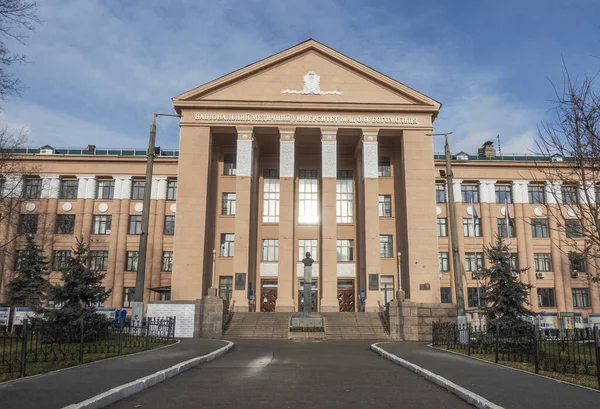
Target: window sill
x: 228, y: 216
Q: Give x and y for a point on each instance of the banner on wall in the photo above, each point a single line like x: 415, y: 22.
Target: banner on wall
x: 4, y: 316
x: 571, y: 320
x: 109, y: 313
x: 594, y: 320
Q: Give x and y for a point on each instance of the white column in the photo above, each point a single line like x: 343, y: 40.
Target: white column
x: 553, y: 193
x: 370, y: 155
x: 244, y: 153
x: 456, y: 185
x: 50, y: 186
x: 591, y: 192
x: 487, y: 191
x: 13, y: 186
x: 159, y: 188
x: 519, y: 191
x: 287, y: 147
x: 329, y: 154
x: 122, y: 187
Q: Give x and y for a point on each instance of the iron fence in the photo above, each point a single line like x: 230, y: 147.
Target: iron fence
x: 35, y: 342
x: 568, y: 351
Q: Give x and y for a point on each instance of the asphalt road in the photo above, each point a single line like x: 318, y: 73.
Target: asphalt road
x: 296, y: 374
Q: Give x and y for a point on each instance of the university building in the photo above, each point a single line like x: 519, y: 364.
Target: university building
x: 305, y: 151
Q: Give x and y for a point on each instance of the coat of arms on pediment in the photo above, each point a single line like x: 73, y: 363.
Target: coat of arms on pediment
x: 312, y: 86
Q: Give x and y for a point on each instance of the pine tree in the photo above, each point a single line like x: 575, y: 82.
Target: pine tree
x: 505, y: 297
x: 29, y: 287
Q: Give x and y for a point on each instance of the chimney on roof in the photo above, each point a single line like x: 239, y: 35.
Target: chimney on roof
x: 91, y: 148
x: 487, y: 150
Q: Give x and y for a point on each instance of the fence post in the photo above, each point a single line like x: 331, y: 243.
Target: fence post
x: 81, y: 343
x: 148, y: 322
x: 24, y: 347
x: 120, y: 335
x: 536, y: 349
x: 597, y: 346
x: 469, y: 339
x: 174, y: 323
x: 497, y: 341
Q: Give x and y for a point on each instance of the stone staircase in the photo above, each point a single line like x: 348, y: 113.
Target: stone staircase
x: 354, y: 325
x: 265, y: 325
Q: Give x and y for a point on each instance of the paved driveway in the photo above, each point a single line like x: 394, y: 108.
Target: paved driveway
x: 296, y: 374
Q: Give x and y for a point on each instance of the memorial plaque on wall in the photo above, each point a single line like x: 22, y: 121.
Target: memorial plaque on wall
x: 373, y: 282
x: 240, y: 281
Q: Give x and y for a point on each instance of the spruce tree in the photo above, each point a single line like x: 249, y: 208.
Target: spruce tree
x: 505, y: 297
x: 29, y: 287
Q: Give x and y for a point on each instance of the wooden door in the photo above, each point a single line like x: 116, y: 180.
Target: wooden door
x: 268, y: 299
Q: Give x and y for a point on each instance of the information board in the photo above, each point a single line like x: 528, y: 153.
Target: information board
x: 4, y: 316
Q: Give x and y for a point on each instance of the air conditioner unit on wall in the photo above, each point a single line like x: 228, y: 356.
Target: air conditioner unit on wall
x: 476, y: 276
x: 539, y: 275
x: 574, y: 274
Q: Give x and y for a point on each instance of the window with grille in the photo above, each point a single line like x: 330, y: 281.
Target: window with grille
x: 546, y: 297
x: 474, y: 297
x: 308, y: 201
x: 469, y: 193
x: 504, y: 230
x: 167, y: 261
x: 128, y: 293
x: 32, y: 188
x: 169, y: 225
x: 229, y: 164
x: 106, y: 189
x: 443, y: 261
x: 137, y: 189
x: 270, y: 250
x: 60, y: 259
x: 470, y: 228
x: 539, y: 228
x: 28, y: 223
x: 440, y: 193
x: 386, y: 284
x: 135, y: 225
x: 65, y: 223
x: 226, y: 287
x: 2, y: 184
x: 386, y: 249
x: 171, y: 190
x: 101, y: 224
x: 308, y: 246
x: 536, y: 194
x: 445, y: 295
x: 384, y: 169
x: 68, y: 189
x: 503, y: 194
x: 573, y: 229
x: 569, y: 194
x: 470, y: 264
x: 344, y: 197
x: 227, y: 244
x: 385, y: 206
x: 228, y: 204
x: 442, y: 227
x: 271, y: 196
x: 98, y: 260
x: 345, y: 250
x: 576, y: 263
x: 542, y: 262
x: 581, y: 297
x: 131, y: 263
x: 164, y: 296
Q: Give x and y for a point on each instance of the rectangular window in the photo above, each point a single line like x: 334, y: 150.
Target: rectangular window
x: 443, y: 261
x: 442, y: 227
x: 536, y: 194
x: 503, y: 229
x: 468, y: 192
x: 164, y: 296
x: 386, y: 248
x: 2, y: 184
x: 308, y: 246
x: 132, y: 261
x: 440, y: 193
x: 573, y: 229
x: 569, y: 194
x: 576, y: 263
x: 546, y: 297
x: 308, y: 207
x: 171, y: 190
x: 32, y: 188
x: 514, y: 261
x: 345, y: 250
x: 539, y: 228
x: 167, y: 261
x: 135, y: 225
x: 128, y: 296
x: 106, y: 189
x: 470, y: 262
x: 98, y: 260
x: 470, y: 229
x: 344, y: 197
x: 137, y: 189
x: 227, y: 244
x: 169, y: 225
x: 229, y: 164
x: 65, y: 223
x: 385, y: 206
x: 28, y: 223
x: 270, y: 250
x: 228, y: 204
x: 226, y: 287
x: 68, y: 189
x: 474, y: 297
x: 384, y: 169
x: 60, y: 259
x: 271, y: 196
x: 542, y: 262
x: 503, y: 194
x: 445, y: 295
x: 386, y: 284
x: 581, y: 297
x: 101, y: 224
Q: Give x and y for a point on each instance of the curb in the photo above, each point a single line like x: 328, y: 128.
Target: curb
x: 465, y: 394
x: 121, y: 392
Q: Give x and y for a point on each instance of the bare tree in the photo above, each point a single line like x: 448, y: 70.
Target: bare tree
x: 571, y: 145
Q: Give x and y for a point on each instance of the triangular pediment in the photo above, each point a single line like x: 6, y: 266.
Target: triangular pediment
x: 308, y: 73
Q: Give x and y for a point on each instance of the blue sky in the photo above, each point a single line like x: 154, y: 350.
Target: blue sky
x: 101, y: 68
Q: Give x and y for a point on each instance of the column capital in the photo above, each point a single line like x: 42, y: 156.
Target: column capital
x: 50, y: 176
x: 329, y: 134
x: 85, y: 176
x: 369, y: 135
x: 287, y: 134
x: 122, y: 177
x: 245, y: 133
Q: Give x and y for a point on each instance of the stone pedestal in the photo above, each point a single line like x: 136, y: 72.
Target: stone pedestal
x: 302, y: 320
x: 410, y: 321
x: 210, y: 317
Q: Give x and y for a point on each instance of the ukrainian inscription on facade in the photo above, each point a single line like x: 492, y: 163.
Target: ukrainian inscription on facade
x: 329, y: 119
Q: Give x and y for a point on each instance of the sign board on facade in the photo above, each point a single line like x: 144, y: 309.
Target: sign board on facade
x: 549, y: 320
x: 570, y: 319
x: 330, y: 119
x: 109, y: 313
x: 594, y: 319
x: 21, y: 314
x: 240, y: 281
x: 4, y: 316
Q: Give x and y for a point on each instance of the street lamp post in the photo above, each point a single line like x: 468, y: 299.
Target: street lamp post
x: 400, y: 294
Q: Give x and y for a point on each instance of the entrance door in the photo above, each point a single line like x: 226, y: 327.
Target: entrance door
x: 268, y: 296
x: 315, y: 296
x: 346, y: 295
x: 387, y: 288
